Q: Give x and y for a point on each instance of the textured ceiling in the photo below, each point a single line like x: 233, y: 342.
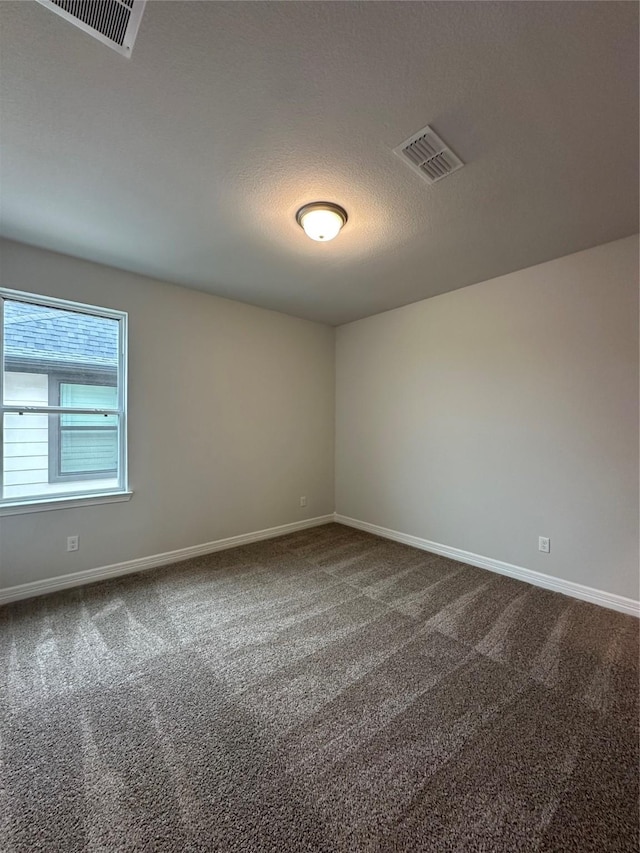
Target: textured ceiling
x: 188, y: 161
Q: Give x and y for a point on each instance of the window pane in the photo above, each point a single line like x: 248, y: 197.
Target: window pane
x: 43, y: 340
x: 91, y: 397
x: 43, y: 458
x: 63, y: 358
x: 87, y: 445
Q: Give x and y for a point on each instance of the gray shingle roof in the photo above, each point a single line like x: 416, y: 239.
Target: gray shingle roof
x: 36, y: 332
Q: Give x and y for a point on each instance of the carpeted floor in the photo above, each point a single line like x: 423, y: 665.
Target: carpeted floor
x: 327, y: 691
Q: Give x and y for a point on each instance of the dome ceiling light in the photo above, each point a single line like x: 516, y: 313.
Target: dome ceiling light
x: 321, y: 220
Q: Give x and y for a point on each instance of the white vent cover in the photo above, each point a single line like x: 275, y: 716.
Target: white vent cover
x: 113, y: 22
x: 428, y: 155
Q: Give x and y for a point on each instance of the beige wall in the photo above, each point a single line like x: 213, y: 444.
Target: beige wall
x: 231, y: 420
x: 486, y: 417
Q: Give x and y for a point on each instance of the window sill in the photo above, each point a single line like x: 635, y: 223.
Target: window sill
x: 43, y: 504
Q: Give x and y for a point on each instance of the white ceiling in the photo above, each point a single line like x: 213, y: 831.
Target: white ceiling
x: 188, y: 161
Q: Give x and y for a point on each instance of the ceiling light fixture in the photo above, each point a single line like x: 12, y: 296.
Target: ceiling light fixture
x: 321, y: 220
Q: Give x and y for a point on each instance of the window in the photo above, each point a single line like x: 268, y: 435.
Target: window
x: 62, y: 400
x: 77, y: 447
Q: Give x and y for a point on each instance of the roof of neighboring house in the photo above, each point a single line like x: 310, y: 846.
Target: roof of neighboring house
x: 42, y: 334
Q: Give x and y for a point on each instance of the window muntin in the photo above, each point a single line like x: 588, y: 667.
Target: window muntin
x: 62, y: 399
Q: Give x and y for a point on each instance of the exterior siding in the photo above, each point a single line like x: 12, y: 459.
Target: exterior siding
x: 26, y: 437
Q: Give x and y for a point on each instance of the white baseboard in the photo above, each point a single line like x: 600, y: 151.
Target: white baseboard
x: 576, y: 590
x: 28, y: 590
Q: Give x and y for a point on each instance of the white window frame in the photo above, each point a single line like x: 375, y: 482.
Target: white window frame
x: 11, y: 506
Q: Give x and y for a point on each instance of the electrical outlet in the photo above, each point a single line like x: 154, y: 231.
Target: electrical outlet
x: 303, y: 501
x: 73, y: 543
x: 544, y: 544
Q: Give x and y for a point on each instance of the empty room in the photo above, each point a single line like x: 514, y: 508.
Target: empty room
x: 319, y: 404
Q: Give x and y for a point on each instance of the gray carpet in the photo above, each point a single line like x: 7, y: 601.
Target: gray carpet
x: 326, y: 691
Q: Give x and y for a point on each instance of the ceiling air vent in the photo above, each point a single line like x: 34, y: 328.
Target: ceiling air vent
x: 428, y: 155
x: 113, y: 22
